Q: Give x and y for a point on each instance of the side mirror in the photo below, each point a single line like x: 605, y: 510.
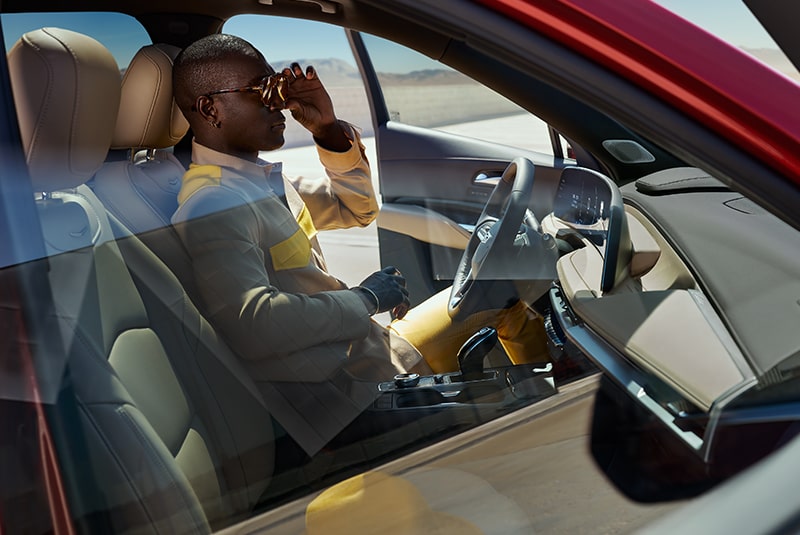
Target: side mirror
x: 641, y: 457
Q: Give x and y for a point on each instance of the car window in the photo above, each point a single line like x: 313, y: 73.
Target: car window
x: 738, y: 27
x: 122, y: 34
x: 329, y: 53
x: 126, y: 407
x: 420, y: 91
x: 417, y: 90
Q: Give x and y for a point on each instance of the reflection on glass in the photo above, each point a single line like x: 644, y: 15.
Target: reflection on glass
x: 590, y: 204
x: 582, y: 203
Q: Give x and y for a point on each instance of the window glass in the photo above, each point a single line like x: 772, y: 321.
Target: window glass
x: 123, y: 35
x: 154, y: 423
x: 731, y: 21
x: 329, y: 53
x: 420, y: 91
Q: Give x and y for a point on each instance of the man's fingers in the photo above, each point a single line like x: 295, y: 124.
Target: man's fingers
x: 395, y: 273
x: 401, y: 310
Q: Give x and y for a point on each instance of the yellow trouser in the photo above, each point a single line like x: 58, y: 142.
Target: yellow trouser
x: 430, y: 329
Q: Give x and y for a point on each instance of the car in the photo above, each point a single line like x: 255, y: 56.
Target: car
x: 630, y: 176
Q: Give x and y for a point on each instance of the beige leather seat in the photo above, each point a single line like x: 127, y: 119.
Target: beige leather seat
x: 148, y: 122
x: 141, y: 190
x: 177, y: 436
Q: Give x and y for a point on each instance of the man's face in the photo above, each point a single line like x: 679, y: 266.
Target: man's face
x: 247, y: 125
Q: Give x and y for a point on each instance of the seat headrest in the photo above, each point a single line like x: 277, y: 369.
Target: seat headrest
x: 66, y: 90
x: 148, y: 116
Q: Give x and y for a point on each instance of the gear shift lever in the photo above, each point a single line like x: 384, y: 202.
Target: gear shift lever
x: 471, y: 354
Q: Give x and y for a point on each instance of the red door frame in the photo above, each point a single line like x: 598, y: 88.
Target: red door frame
x: 681, y: 64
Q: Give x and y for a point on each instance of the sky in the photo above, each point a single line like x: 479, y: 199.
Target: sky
x: 286, y: 39
x: 122, y: 39
x: 728, y: 19
x: 279, y: 39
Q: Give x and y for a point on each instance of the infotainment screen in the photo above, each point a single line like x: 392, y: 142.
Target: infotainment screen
x: 583, y: 203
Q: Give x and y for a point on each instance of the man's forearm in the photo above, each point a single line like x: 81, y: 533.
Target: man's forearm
x: 268, y: 322
x: 333, y: 138
x: 345, y: 197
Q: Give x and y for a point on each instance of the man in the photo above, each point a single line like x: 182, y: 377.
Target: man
x: 307, y: 339
x: 252, y: 239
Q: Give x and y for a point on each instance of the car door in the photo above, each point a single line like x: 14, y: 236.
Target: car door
x: 442, y: 141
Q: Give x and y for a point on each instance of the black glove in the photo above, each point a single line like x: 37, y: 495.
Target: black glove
x: 387, y: 289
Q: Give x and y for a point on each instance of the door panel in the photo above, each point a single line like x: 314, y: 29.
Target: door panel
x: 434, y: 186
x: 443, y: 169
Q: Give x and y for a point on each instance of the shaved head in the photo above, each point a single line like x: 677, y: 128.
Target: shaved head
x: 202, y: 66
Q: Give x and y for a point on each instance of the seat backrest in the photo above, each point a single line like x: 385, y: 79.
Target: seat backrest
x: 141, y: 191
x: 179, y: 439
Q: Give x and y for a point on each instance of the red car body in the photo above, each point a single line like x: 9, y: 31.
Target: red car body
x: 685, y: 66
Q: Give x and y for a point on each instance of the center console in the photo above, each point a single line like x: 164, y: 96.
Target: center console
x: 410, y: 408
x: 494, y: 386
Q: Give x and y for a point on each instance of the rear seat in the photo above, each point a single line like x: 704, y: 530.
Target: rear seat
x: 178, y: 437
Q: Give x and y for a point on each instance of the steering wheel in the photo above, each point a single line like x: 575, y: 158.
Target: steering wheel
x: 490, y: 254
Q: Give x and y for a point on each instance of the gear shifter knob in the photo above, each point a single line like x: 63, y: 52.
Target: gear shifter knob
x: 472, y: 353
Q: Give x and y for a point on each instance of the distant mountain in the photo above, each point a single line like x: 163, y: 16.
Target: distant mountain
x: 424, y: 77
x: 333, y: 72
x: 338, y: 73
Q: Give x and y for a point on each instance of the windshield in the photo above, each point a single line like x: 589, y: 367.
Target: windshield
x: 734, y: 23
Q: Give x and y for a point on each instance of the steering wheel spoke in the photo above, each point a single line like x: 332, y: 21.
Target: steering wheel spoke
x: 493, y: 240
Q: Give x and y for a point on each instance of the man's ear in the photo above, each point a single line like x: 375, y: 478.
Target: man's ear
x: 205, y: 107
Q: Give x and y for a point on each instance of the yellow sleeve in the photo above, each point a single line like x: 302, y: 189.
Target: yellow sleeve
x: 345, y: 197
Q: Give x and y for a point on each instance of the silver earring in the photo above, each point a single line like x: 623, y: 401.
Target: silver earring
x: 215, y: 124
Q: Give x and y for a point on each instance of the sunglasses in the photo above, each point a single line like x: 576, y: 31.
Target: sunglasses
x: 270, y: 86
